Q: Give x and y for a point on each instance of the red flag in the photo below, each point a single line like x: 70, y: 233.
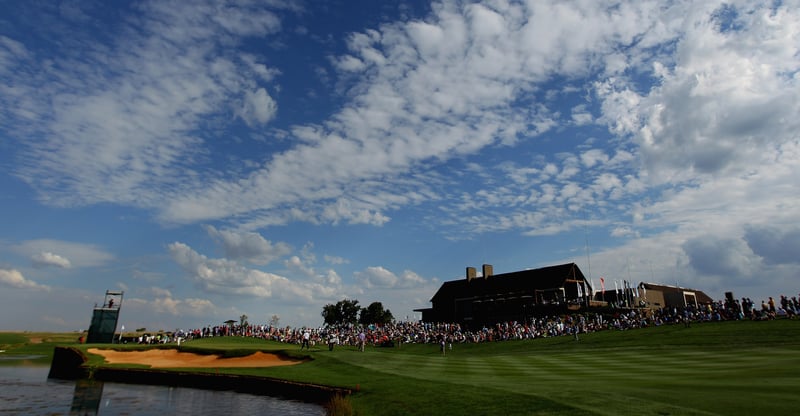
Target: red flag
x: 602, y: 284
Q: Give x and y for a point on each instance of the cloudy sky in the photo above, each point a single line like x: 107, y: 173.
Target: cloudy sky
x: 267, y: 157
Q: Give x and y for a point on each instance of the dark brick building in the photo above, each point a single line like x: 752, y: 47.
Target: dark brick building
x: 517, y: 296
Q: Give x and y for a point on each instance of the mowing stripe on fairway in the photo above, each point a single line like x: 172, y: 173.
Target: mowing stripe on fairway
x: 639, y: 380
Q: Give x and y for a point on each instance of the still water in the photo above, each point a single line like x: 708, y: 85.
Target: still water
x: 27, y: 391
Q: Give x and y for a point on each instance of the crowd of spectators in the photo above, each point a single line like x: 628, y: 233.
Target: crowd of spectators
x: 405, y: 332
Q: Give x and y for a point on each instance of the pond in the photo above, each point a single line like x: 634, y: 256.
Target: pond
x: 26, y: 390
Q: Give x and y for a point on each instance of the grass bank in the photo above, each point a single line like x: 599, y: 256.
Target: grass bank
x: 726, y: 368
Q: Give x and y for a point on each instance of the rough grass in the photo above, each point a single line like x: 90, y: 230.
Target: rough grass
x: 35, y: 347
x: 339, y: 406
x: 727, y: 368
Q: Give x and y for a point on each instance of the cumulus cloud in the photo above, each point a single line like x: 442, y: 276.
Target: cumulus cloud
x: 14, y: 279
x: 296, y: 264
x: 47, y: 259
x: 183, y: 307
x: 163, y: 307
x: 725, y: 257
x: 774, y: 245
x: 719, y: 101
x: 160, y: 292
x: 249, y: 246
x: 303, y: 266
x: 228, y: 277
x: 379, y: 277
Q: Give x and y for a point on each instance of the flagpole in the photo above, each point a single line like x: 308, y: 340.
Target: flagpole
x: 602, y: 288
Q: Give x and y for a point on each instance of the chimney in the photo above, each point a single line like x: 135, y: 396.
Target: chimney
x: 488, y: 271
x: 471, y: 273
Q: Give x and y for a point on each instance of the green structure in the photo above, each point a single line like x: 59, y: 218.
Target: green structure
x: 104, y: 319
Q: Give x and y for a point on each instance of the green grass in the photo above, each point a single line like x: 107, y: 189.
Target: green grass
x: 723, y: 368
x: 728, y: 368
x: 36, y: 345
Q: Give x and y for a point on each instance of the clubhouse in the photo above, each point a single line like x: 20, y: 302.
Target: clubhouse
x: 475, y: 301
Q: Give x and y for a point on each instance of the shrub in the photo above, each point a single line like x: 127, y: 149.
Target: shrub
x: 339, y: 406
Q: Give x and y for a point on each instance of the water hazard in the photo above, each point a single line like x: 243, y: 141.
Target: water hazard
x: 26, y: 390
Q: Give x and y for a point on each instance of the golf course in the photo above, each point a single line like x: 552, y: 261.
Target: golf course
x: 719, y: 368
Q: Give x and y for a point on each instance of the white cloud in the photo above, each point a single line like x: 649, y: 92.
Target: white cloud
x: 714, y: 256
x: 331, y: 278
x: 456, y: 101
x: 14, y: 279
x: 592, y: 157
x: 379, y: 277
x: 376, y: 276
x: 162, y: 310
x: 723, y: 101
x: 10, y: 51
x: 190, y: 307
x: 328, y: 277
x: 349, y: 63
x: 349, y: 210
x: 335, y: 259
x: 623, y: 231
x: 160, y: 292
x: 719, y: 102
x: 228, y: 277
x: 70, y: 254
x: 580, y: 116
x: 258, y: 108
x: 47, y: 259
x: 296, y: 264
x: 775, y: 245
x: 249, y: 246
x: 411, y: 279
x: 130, y: 136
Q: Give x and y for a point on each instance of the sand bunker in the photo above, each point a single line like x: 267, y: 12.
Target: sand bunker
x: 158, y: 358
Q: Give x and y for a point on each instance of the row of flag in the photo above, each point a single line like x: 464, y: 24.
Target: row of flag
x: 621, y: 287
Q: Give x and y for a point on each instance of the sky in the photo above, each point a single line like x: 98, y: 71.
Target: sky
x: 266, y: 158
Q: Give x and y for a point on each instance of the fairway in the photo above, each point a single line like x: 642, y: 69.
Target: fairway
x: 730, y: 368
x: 607, y: 381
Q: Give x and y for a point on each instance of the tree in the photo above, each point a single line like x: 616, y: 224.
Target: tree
x: 274, y: 321
x: 375, y: 314
x: 243, y: 320
x: 342, y: 313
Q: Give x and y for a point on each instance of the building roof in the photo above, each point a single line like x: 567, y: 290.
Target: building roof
x: 699, y: 294
x: 508, y: 283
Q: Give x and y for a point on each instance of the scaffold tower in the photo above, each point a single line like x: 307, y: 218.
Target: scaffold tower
x: 105, y: 318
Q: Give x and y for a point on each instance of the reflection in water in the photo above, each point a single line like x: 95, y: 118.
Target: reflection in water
x: 28, y: 391
x: 86, y: 398
x: 19, y: 357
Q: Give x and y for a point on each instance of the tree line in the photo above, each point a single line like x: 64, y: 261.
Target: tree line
x: 347, y: 311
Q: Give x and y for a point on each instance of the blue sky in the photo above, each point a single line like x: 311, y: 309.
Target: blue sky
x: 267, y: 158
